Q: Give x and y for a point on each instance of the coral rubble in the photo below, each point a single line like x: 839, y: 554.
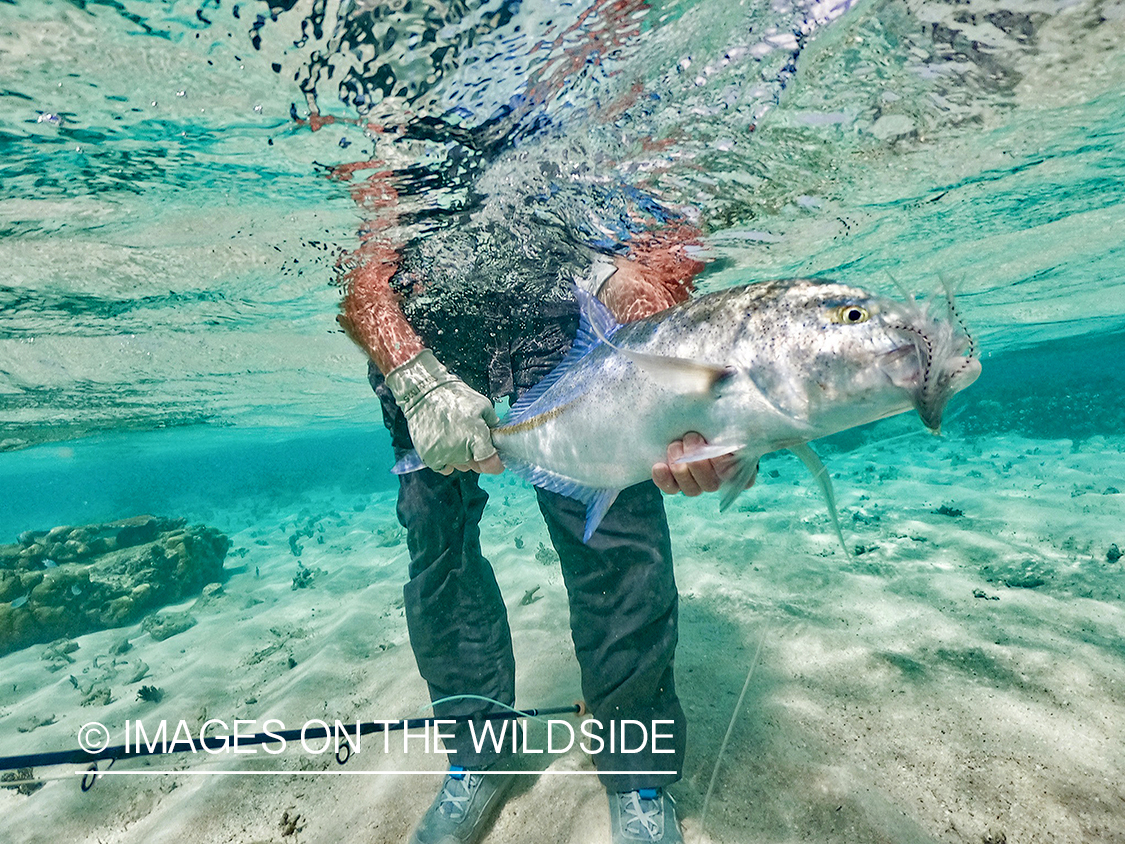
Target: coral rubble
x: 73, y: 580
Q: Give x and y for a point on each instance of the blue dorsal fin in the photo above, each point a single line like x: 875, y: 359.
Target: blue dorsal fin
x: 597, y: 500
x: 595, y: 322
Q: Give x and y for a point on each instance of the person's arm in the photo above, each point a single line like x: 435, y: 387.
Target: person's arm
x: 370, y: 313
x: 656, y: 274
x: 448, y: 421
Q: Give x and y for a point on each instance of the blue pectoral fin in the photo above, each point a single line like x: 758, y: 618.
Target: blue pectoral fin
x: 707, y: 451
x: 680, y: 374
x: 820, y: 473
x: 409, y: 462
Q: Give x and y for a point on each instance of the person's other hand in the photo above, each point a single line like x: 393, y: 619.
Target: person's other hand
x: 697, y: 477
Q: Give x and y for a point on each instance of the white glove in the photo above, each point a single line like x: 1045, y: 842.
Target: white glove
x: 448, y: 420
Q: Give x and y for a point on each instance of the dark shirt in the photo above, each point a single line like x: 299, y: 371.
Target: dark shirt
x: 494, y: 301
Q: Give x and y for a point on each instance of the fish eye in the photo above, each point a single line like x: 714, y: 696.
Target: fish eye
x: 851, y: 314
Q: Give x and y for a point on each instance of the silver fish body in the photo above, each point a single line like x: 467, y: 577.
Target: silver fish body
x: 753, y: 369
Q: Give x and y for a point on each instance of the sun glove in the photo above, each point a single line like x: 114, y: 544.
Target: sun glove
x: 448, y: 420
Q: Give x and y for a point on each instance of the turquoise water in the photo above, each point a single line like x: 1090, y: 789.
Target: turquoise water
x: 171, y: 240
x: 170, y: 234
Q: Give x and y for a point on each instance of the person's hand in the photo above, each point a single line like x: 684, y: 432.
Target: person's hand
x: 448, y: 420
x: 697, y: 477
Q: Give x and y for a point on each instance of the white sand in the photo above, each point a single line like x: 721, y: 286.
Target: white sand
x: 889, y: 703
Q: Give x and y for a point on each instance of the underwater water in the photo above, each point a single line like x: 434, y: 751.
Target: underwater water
x: 172, y: 232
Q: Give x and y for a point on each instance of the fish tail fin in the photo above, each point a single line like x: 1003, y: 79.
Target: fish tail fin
x: 820, y: 474
x: 409, y: 462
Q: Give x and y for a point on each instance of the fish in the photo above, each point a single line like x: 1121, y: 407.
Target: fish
x: 754, y: 369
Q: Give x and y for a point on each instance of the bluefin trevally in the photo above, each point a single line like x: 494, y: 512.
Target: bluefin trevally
x: 754, y: 369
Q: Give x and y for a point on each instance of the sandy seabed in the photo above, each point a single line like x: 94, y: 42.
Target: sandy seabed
x: 960, y: 678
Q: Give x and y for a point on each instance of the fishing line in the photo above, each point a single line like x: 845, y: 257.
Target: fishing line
x: 726, y: 738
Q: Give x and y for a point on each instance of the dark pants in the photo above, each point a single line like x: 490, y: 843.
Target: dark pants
x: 623, y: 606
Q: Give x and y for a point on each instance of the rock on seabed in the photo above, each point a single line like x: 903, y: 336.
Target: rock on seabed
x: 73, y: 580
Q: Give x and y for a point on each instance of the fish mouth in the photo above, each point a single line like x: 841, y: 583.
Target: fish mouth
x: 940, y: 384
x: 936, y: 360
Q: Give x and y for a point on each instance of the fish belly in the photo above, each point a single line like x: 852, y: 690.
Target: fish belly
x: 607, y: 438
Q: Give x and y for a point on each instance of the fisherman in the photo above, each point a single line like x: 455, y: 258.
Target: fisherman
x: 465, y: 317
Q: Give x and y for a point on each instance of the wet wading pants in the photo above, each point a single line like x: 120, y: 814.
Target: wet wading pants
x: 623, y: 599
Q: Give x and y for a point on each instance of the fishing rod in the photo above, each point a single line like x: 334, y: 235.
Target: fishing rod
x: 217, y: 744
